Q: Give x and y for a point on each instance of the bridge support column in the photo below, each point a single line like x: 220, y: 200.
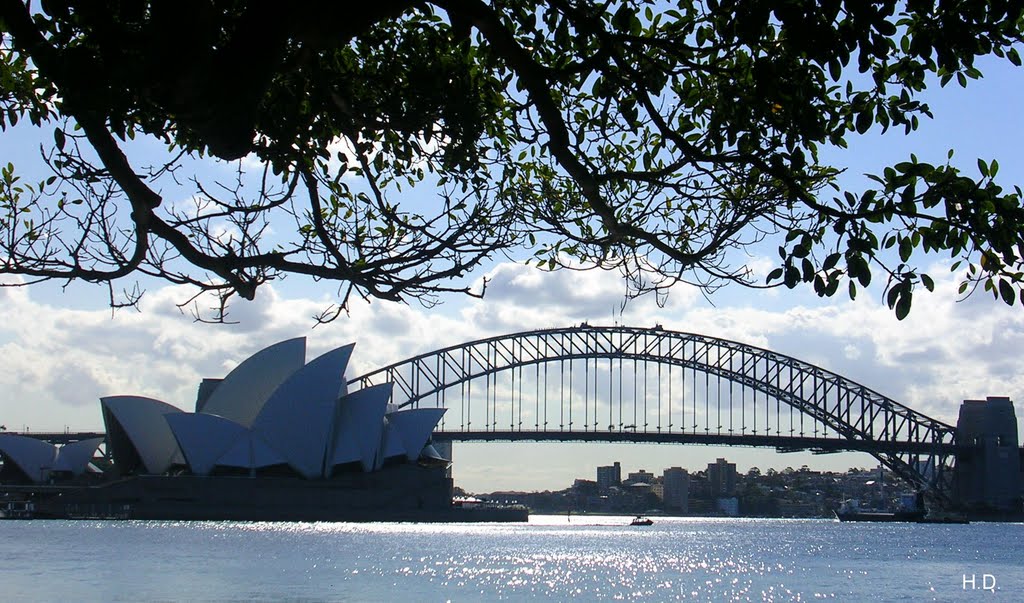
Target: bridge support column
x: 988, y: 470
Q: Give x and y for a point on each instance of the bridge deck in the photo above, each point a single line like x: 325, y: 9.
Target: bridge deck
x: 781, y: 443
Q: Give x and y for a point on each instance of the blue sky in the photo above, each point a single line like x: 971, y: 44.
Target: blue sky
x: 63, y: 348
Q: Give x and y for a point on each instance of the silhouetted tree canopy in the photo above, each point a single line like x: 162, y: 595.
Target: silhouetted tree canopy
x: 393, y: 146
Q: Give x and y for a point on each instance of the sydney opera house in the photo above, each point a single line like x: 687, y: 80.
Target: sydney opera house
x: 276, y: 439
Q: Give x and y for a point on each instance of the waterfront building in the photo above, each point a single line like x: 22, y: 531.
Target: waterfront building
x: 721, y: 479
x: 272, y: 411
x: 676, y: 483
x: 309, y: 448
x: 609, y: 476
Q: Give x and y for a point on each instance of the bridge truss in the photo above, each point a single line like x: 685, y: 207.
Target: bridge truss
x: 591, y: 383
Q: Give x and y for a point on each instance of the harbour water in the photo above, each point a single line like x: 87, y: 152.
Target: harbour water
x: 552, y: 557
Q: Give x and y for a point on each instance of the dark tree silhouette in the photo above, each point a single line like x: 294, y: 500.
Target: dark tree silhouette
x: 403, y: 143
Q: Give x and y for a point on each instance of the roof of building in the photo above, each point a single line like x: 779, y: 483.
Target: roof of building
x: 272, y: 409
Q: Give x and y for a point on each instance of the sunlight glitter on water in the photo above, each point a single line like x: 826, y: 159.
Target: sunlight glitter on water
x: 552, y: 557
x: 600, y: 556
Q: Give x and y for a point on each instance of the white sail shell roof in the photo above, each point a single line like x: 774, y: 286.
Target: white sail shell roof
x: 414, y: 427
x: 392, y: 445
x: 203, y: 438
x: 297, y: 419
x: 241, y: 395
x: 142, y: 420
x: 75, y: 457
x: 250, y: 451
x: 360, y: 425
x: 270, y: 410
x: 35, y: 458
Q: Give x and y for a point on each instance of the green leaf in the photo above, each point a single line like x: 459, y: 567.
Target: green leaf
x: 864, y: 277
x: 792, y: 276
x: 833, y: 286
x: 906, y: 248
x: 1007, y: 292
x: 864, y: 121
x: 808, y: 270
x: 835, y: 70
x: 903, y: 305
x: 892, y: 296
x: 1013, y: 56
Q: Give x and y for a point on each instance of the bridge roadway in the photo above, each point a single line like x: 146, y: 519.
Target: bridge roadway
x: 780, y: 443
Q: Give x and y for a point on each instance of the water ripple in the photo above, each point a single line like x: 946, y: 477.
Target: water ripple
x: 585, y: 558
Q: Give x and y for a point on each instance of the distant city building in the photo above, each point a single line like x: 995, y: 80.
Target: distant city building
x: 721, y: 479
x: 609, y: 476
x: 787, y: 493
x: 640, y: 477
x: 676, y: 483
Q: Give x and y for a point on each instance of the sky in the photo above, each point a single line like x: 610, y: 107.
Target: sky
x: 63, y: 348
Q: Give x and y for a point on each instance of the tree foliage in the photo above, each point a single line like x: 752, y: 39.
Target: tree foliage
x: 393, y: 147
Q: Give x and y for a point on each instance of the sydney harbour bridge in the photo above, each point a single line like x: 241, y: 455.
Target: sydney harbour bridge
x: 626, y: 384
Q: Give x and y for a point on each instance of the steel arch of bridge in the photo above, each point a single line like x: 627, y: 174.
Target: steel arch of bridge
x: 844, y: 415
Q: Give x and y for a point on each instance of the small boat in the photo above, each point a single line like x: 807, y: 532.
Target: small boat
x: 641, y: 521
x: 880, y: 516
